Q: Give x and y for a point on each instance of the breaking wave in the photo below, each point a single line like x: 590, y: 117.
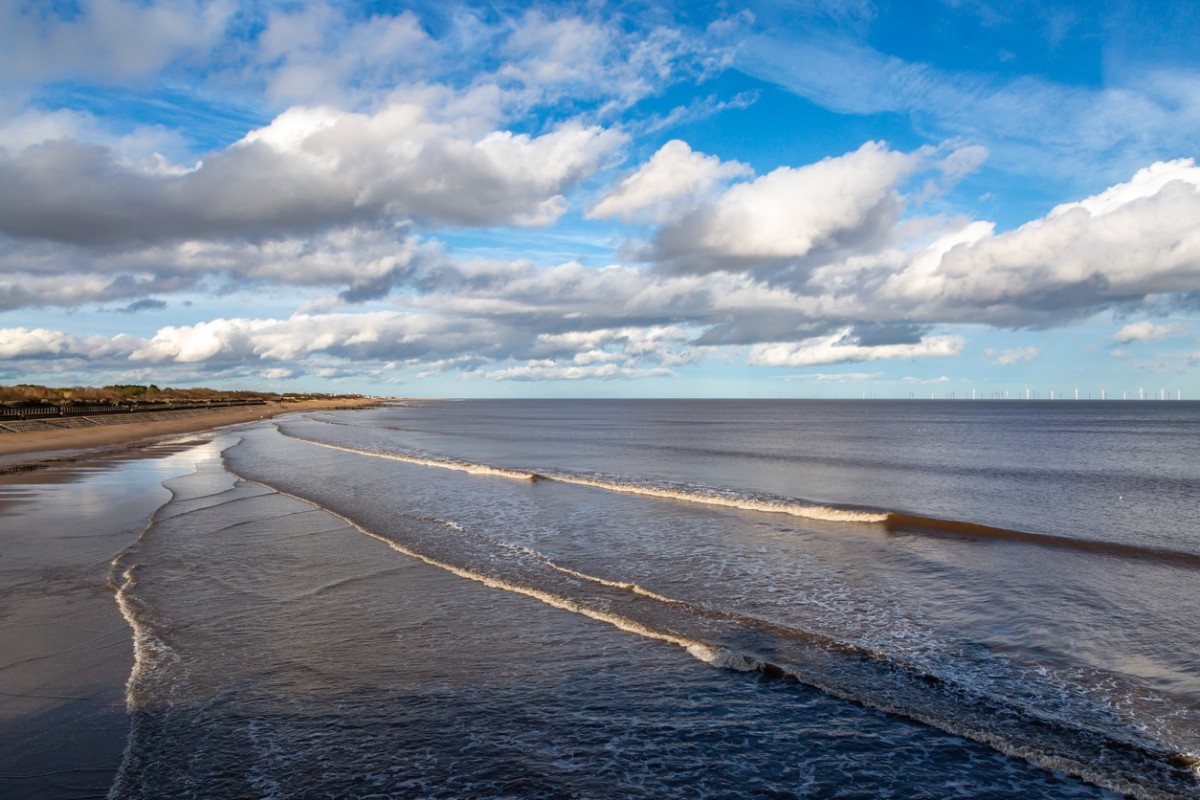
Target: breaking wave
x: 894, y: 522
x: 1116, y: 757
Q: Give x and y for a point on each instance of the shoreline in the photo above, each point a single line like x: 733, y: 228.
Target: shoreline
x: 70, y: 501
x: 28, y: 448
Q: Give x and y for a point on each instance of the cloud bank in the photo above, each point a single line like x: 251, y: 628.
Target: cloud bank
x: 882, y: 297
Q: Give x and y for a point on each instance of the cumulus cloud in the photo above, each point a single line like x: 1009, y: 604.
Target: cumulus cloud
x: 824, y: 245
x: 24, y: 343
x: 359, y: 343
x: 675, y: 174
x: 369, y: 262
x: 1146, y: 331
x: 1120, y: 247
x: 791, y: 212
x: 1135, y: 239
x: 369, y: 336
x: 310, y: 169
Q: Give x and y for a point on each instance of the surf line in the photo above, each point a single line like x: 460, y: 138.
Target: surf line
x: 711, y: 655
x: 894, y: 522
x: 723, y: 658
x: 781, y: 506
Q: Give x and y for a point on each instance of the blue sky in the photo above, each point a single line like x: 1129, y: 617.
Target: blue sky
x: 801, y: 198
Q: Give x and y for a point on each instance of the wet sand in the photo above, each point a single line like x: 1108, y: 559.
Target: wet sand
x: 70, y: 501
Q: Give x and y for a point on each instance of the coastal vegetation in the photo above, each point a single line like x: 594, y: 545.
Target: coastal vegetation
x: 136, y: 394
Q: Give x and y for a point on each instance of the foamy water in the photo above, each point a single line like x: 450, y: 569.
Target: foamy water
x: 613, y: 600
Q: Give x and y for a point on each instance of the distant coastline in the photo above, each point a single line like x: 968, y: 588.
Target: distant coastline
x: 38, y: 438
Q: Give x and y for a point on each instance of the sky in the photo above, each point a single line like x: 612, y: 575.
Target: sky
x: 781, y: 198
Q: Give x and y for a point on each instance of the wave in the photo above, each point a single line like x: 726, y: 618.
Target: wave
x: 442, y: 462
x: 900, y: 523
x: 699, y: 495
x: 1117, y: 757
x: 734, y: 500
x: 894, y: 522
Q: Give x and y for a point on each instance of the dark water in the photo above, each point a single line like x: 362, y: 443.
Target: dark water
x: 675, y: 598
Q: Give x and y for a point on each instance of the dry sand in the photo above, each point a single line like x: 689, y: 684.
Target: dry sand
x: 70, y: 501
x: 17, y: 448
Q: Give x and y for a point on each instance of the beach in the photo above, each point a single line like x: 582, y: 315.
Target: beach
x: 71, y: 501
x: 19, y: 448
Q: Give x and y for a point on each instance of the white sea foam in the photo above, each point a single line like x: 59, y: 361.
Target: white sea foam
x: 549, y: 598
x: 723, y: 658
x: 455, y: 464
x: 700, y: 496
x: 740, y: 502
x: 625, y: 585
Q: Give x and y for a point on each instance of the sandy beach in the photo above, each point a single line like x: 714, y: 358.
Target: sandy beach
x: 18, y: 448
x: 70, y: 501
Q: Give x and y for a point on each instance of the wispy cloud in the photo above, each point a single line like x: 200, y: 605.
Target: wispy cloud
x: 1007, y: 358
x: 1029, y: 124
x: 834, y: 377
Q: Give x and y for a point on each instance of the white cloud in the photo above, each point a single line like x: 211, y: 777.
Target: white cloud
x: 676, y: 175
x: 700, y: 109
x: 21, y: 343
x: 1135, y: 239
x: 359, y: 343
x: 311, y: 168
x: 629, y: 340
x: 276, y: 343
x: 28, y: 126
x: 547, y: 370
x: 790, y: 212
x: 316, y: 53
x: 835, y: 377
x: 841, y: 347
x: 555, y: 56
x: 1030, y: 125
x: 1012, y: 356
x: 568, y: 50
x: 105, y: 41
x: 1147, y: 331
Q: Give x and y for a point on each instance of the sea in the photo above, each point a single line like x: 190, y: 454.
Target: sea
x: 673, y: 598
